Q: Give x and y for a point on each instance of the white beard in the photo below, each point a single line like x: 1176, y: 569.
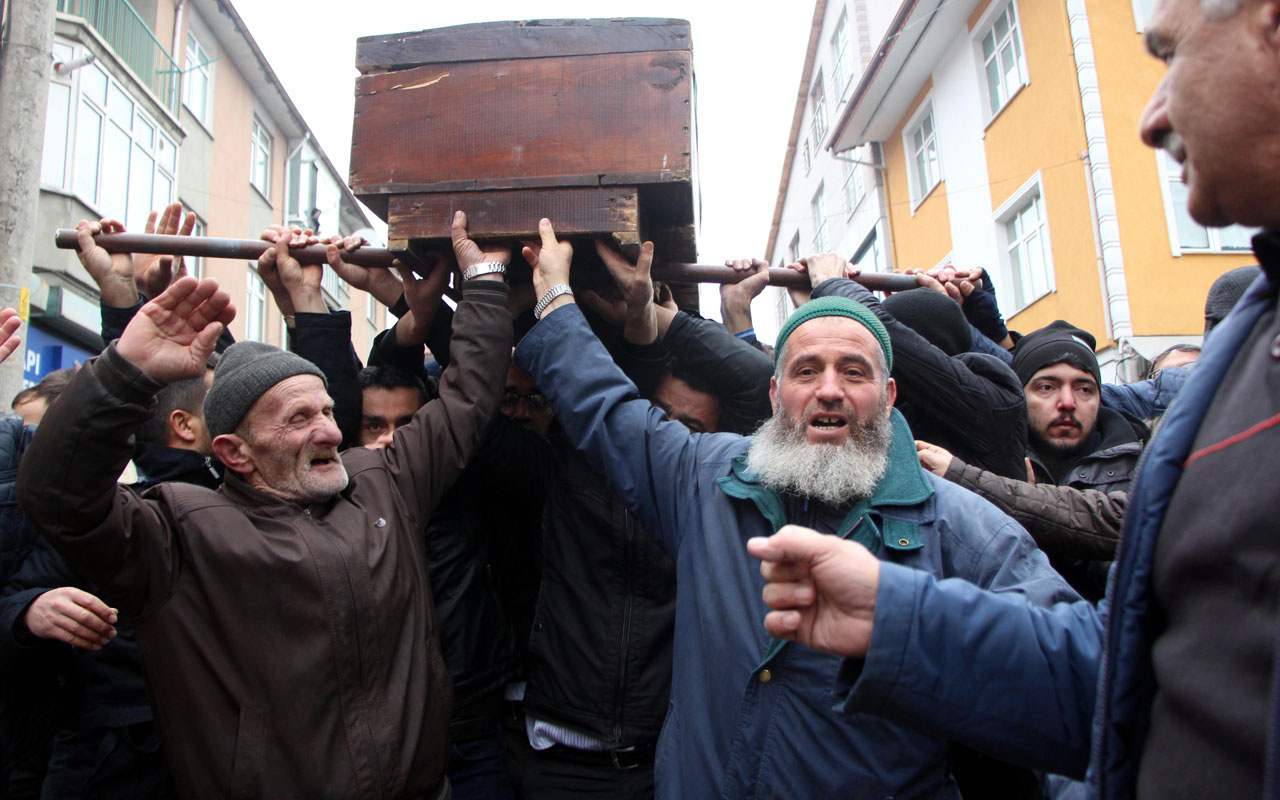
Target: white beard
x: 836, y: 474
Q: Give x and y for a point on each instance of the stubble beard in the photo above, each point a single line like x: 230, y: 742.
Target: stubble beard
x: 784, y: 460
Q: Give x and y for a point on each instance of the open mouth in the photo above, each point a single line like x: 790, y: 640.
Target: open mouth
x: 827, y: 423
x: 322, y: 462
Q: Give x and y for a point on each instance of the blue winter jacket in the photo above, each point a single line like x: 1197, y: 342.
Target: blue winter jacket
x: 751, y: 717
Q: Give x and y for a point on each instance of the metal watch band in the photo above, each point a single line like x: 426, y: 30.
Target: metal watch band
x: 552, y: 294
x: 484, y: 268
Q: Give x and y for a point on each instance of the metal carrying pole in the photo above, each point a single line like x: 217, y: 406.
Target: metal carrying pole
x: 251, y: 249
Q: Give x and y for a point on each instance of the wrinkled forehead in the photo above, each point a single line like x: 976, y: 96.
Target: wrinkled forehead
x: 831, y: 338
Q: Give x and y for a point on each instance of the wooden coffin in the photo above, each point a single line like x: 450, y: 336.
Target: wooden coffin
x: 587, y: 122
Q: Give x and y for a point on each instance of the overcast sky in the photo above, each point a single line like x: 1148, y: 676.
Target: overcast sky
x: 747, y: 61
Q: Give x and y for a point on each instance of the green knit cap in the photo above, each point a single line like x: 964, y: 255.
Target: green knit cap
x: 835, y: 307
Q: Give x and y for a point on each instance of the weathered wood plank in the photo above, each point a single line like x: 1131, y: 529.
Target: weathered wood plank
x: 526, y: 121
x: 515, y: 214
x: 548, y: 38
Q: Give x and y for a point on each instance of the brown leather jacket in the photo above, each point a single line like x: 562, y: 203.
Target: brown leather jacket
x: 290, y: 651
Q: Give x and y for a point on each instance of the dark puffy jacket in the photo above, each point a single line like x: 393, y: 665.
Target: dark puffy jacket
x: 971, y: 404
x: 16, y: 534
x: 1108, y: 467
x: 600, y: 651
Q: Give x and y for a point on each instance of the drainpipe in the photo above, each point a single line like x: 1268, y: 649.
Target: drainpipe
x: 177, y: 27
x: 1102, y: 200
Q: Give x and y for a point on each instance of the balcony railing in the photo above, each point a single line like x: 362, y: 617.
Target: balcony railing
x: 133, y: 40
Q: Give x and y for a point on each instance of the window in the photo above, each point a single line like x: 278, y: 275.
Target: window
x: 255, y: 307
x: 1142, y: 13
x: 820, y: 220
x: 793, y: 249
x: 260, y: 158
x: 371, y: 316
x: 841, y: 57
x: 100, y: 144
x: 922, y: 145
x: 335, y: 288
x: 197, y: 82
x: 1024, y: 228
x: 808, y: 158
x: 1002, y: 60
x: 819, y: 104
x: 869, y: 257
x: 1184, y: 232
x: 195, y: 264
x: 855, y: 187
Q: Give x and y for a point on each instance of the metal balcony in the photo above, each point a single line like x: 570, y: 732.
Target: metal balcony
x: 134, y: 42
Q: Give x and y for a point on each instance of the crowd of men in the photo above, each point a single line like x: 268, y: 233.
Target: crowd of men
x: 455, y: 569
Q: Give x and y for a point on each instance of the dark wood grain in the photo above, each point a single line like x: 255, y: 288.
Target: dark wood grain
x: 548, y: 38
x: 524, y: 122
x: 515, y: 214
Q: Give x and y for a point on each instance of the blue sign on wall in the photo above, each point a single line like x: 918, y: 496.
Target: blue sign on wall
x: 47, y: 353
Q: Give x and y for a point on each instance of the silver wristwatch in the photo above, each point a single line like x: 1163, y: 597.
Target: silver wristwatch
x: 484, y: 268
x: 552, y: 294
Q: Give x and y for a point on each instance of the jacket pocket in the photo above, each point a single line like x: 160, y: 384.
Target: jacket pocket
x: 246, y: 765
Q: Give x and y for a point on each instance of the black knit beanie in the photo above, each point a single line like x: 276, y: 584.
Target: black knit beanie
x: 933, y: 315
x: 244, y: 373
x: 1058, y: 342
x: 1225, y: 292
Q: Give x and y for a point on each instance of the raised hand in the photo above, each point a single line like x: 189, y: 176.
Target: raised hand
x: 9, y: 338
x: 468, y: 252
x: 551, y: 260
x: 154, y: 273
x: 423, y: 297
x: 171, y: 337
x: 70, y: 615
x: 377, y: 281
x: 822, y: 589
x: 735, y: 298
x: 286, y: 276
x: 113, y: 272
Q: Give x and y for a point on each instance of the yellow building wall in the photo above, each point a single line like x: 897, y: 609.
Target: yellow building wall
x: 1042, y: 128
x: 1166, y: 293
x: 923, y: 237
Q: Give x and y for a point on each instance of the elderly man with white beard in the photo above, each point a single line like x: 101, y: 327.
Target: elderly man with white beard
x: 752, y: 717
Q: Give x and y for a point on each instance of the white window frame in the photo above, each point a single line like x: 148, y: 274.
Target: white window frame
x: 143, y: 138
x: 842, y: 69
x: 818, y: 205
x: 871, y: 244
x: 793, y: 249
x: 371, y: 316
x: 855, y: 185
x: 197, y: 72
x: 1022, y: 77
x: 57, y: 138
x: 818, y: 106
x: 1141, y: 13
x: 260, y: 145
x: 1028, y: 195
x: 255, y: 306
x: 918, y: 191
x: 1170, y: 174
x: 195, y: 264
x: 808, y: 157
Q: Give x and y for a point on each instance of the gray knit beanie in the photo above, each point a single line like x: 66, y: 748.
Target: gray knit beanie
x: 1225, y: 292
x: 245, y: 372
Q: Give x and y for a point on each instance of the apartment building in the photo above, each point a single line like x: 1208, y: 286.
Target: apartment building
x: 173, y: 100
x: 1008, y: 135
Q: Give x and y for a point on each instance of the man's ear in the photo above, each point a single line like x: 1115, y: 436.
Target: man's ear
x: 773, y: 393
x: 180, y: 429
x: 1267, y: 18
x: 890, y: 394
x: 234, y: 453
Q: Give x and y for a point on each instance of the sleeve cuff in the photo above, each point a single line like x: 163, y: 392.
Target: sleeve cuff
x: 481, y: 290
x: 121, y: 378
x: 865, y: 686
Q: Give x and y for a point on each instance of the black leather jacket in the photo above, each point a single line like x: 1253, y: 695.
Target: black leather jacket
x: 971, y: 404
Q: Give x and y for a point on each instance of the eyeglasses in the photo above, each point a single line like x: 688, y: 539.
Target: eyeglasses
x: 535, y: 400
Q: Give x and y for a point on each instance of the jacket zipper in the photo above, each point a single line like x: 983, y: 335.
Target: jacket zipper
x: 626, y: 623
